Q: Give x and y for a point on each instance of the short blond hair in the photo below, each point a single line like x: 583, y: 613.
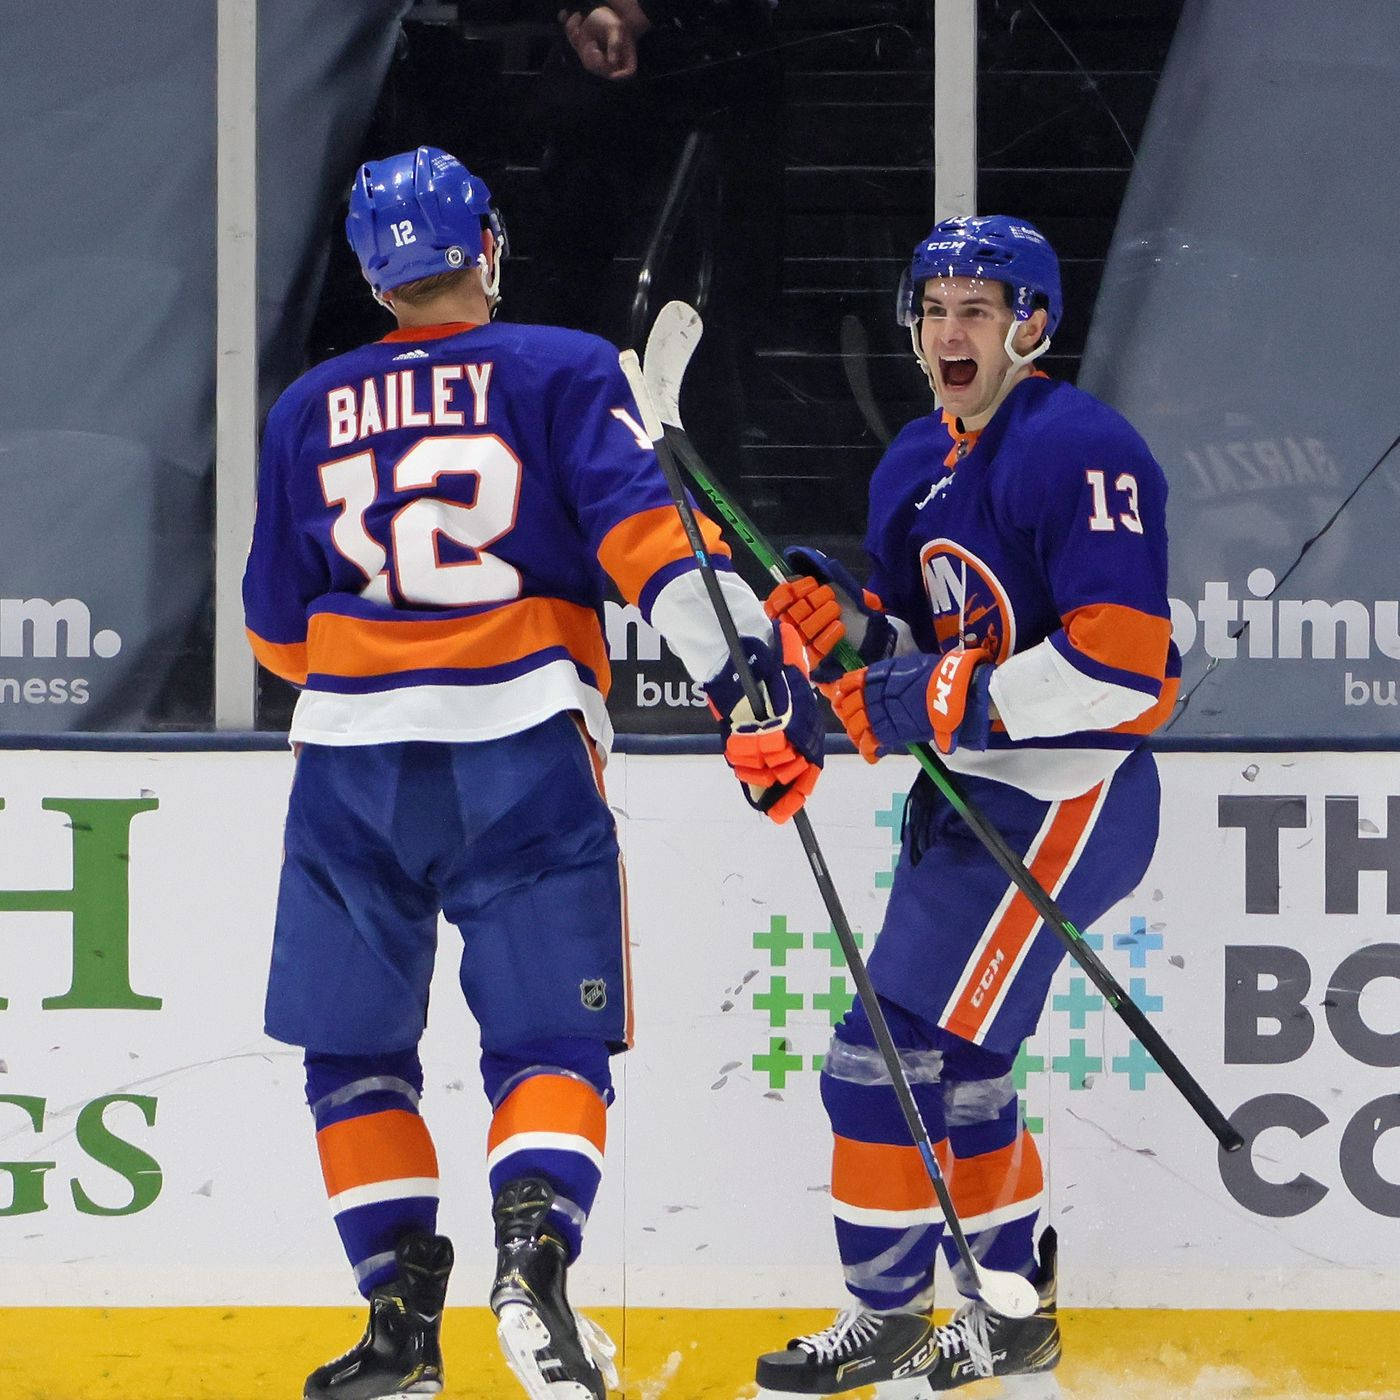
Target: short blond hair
x: 426, y: 288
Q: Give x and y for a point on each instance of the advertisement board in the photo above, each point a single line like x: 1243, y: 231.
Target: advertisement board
x: 155, y: 1148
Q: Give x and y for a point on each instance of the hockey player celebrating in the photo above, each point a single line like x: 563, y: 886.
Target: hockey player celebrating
x: 1016, y: 616
x: 437, y: 512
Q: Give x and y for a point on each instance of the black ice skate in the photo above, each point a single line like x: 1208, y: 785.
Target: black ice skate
x: 978, y: 1343
x: 556, y: 1353
x: 859, y: 1348
x: 906, y: 1357
x: 399, y: 1356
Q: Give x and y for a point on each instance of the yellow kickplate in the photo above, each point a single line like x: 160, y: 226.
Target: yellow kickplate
x: 685, y: 1354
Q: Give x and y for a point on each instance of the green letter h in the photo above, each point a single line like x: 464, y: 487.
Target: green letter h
x: 98, y: 901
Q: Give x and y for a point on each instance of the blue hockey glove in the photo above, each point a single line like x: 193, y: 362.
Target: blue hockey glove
x: 777, y: 758
x: 911, y: 699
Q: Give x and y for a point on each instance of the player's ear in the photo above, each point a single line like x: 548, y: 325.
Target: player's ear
x: 1031, y: 331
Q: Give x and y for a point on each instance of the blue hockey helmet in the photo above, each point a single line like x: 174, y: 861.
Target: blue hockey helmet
x: 419, y: 214
x: 995, y: 248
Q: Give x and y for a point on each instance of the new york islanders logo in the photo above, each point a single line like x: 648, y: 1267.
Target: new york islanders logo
x: 966, y: 599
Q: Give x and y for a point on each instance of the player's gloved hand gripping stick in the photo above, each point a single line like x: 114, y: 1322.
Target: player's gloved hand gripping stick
x: 673, y: 338
x: 1004, y: 1292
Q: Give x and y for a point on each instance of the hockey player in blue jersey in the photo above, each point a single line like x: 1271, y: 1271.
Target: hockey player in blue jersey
x: 437, y: 513
x: 1015, y: 616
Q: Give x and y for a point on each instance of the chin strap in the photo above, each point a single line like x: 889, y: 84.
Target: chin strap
x: 490, y: 269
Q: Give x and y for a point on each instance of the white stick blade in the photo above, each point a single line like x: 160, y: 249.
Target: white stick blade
x: 674, y: 335
x: 632, y: 369
x: 1007, y: 1293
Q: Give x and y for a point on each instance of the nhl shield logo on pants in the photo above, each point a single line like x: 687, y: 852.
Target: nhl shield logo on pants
x: 593, y: 993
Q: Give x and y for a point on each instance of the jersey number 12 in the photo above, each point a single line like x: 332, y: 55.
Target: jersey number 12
x: 420, y: 577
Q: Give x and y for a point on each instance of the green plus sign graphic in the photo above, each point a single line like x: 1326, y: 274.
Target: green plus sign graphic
x: 835, y: 1001
x: 777, y: 1063
x: 1078, y: 1003
x: 777, y: 1001
x: 777, y: 940
x: 1137, y: 1064
x: 832, y: 944
x: 1077, y: 1064
x: 1025, y: 1066
x: 892, y: 818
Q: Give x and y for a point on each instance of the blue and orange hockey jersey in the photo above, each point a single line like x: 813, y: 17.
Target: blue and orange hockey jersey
x: 436, y: 515
x: 1044, y: 539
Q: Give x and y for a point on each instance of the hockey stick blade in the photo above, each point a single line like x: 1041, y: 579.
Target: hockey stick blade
x: 1225, y: 1132
x: 674, y: 335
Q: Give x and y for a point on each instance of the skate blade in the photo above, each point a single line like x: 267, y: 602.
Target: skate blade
x: 1040, y: 1387
x: 522, y: 1337
x: 915, y: 1388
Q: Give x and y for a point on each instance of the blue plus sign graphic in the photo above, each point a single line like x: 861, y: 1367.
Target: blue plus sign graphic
x: 1138, y: 941
x: 1137, y: 989
x: 1078, y: 1003
x: 1137, y: 1064
x: 891, y: 818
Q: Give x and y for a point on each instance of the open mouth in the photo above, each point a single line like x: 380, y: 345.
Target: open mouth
x: 957, y: 374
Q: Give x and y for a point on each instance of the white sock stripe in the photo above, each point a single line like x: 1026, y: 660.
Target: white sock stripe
x: 544, y: 1142
x: 885, y: 1219
x: 373, y: 1084
x: 401, y: 1188
x: 1003, y: 1215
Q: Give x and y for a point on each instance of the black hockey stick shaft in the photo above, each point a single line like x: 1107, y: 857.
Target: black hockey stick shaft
x: 1011, y: 864
x: 986, y: 1284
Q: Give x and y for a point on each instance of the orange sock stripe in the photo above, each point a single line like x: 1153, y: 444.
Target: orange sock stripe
x: 383, y: 1146
x: 995, y: 1180
x: 551, y: 1103
x: 882, y: 1175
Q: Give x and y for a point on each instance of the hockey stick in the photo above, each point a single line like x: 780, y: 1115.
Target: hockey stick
x: 855, y: 360
x: 672, y: 341
x: 1004, y: 1292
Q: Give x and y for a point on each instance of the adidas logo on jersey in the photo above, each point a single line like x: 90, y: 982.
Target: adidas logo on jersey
x: 412, y: 355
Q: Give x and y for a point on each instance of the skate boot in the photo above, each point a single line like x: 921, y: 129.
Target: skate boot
x: 978, y: 1342
x: 555, y: 1352
x: 859, y: 1348
x: 399, y: 1355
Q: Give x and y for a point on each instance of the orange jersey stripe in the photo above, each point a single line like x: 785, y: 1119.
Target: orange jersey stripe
x: 1157, y: 715
x: 635, y: 548
x: 1016, y: 926
x: 551, y: 1103
x: 1123, y: 637
x: 376, y: 1147
x: 882, y: 1175
x: 982, y: 1184
x: 356, y: 646
x: 285, y: 659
